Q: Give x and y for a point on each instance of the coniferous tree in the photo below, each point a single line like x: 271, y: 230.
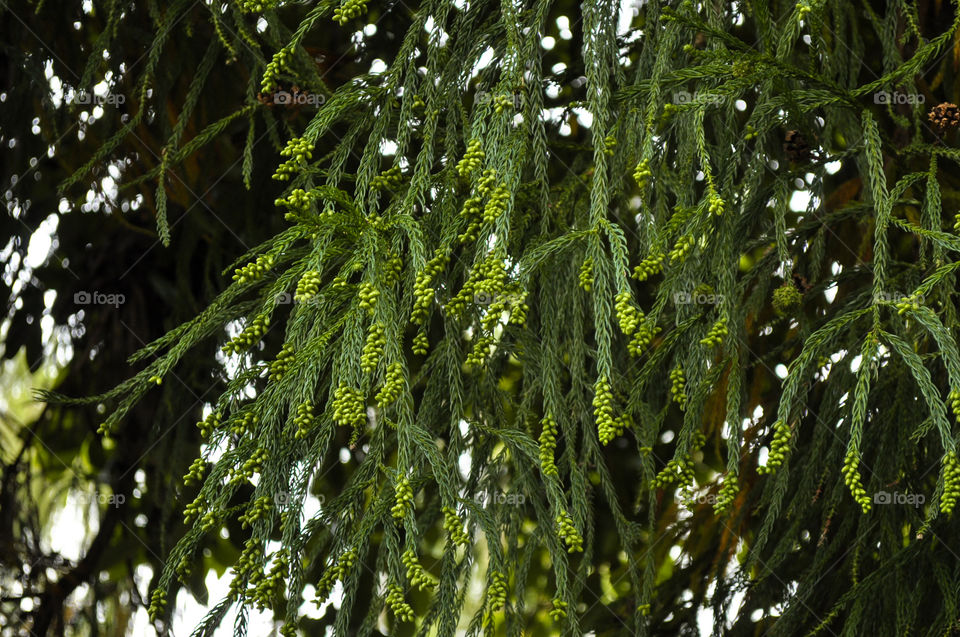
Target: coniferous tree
x: 629, y: 314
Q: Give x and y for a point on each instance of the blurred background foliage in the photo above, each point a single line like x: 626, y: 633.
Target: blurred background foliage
x: 96, y: 237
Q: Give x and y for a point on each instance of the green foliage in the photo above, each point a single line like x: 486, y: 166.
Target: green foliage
x: 460, y: 264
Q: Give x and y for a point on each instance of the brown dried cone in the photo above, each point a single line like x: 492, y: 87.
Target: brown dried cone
x: 801, y: 283
x: 795, y: 146
x: 945, y: 115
